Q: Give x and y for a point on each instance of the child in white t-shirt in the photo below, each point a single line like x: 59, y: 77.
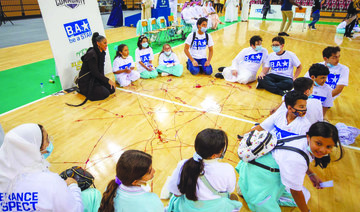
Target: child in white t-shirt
x: 290, y: 122
x: 281, y: 62
x: 201, y: 183
x: 144, y: 56
x: 169, y: 63
x: 195, y: 49
x: 265, y: 190
x: 124, y: 67
x: 314, y: 109
x: 246, y: 64
x: 339, y: 74
x: 322, y: 91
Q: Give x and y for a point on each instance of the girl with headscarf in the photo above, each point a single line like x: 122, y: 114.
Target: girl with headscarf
x: 26, y: 184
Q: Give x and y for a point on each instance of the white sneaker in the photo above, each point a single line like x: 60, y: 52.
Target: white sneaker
x: 164, y: 74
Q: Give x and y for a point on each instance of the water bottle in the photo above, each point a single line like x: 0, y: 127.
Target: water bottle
x: 42, y: 88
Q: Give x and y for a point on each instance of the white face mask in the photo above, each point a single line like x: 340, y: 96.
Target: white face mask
x: 167, y: 53
x: 147, y: 185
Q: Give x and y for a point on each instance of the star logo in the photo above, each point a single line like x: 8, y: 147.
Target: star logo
x: 85, y: 26
x: 258, y: 57
x: 334, y: 79
x: 285, y: 63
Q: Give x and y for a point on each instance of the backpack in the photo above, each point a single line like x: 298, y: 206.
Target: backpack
x: 194, y: 36
x: 84, y: 178
x: 258, y: 143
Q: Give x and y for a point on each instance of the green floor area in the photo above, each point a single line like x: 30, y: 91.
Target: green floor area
x: 21, y: 85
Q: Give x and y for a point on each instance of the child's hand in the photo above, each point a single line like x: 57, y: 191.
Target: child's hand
x: 316, y: 181
x: 127, y: 70
x: 195, y: 63
x: 207, y: 63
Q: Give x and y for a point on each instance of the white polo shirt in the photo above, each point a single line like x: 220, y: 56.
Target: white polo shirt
x: 198, y: 49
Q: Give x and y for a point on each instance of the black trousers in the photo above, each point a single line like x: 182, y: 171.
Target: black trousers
x: 99, y: 91
x: 276, y: 84
x: 220, y: 7
x: 266, y: 10
x: 349, y: 28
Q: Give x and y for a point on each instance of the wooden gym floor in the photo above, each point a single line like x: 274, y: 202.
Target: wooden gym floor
x: 162, y: 116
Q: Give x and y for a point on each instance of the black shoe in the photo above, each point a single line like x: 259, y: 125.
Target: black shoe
x: 221, y: 69
x: 286, y: 34
x: 281, y: 34
x: 219, y: 75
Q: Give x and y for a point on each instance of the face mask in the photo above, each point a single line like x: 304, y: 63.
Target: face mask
x: 49, y: 149
x: 276, y: 49
x: 309, y: 149
x: 167, y: 53
x: 147, y: 185
x: 300, y: 113
x: 329, y: 65
x: 145, y: 45
x: 258, y: 48
x: 203, y: 29
x: 316, y: 84
x: 222, y: 154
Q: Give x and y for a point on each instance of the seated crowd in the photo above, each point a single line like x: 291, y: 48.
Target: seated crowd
x: 202, y: 182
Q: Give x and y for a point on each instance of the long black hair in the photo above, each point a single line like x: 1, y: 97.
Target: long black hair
x: 326, y: 130
x: 96, y: 38
x: 207, y: 143
x: 132, y: 165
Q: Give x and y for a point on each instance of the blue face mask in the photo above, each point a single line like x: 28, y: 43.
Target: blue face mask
x: 309, y: 149
x: 49, y: 149
x: 203, y: 29
x: 258, y: 48
x: 316, y: 84
x: 145, y: 45
x: 276, y: 49
x: 329, y: 65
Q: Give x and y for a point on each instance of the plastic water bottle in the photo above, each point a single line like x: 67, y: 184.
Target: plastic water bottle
x: 42, y: 88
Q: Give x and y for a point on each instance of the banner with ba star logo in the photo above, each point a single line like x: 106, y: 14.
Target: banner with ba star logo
x: 70, y: 25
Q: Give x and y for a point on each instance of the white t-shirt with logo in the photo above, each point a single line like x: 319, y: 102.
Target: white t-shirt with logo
x: 292, y: 165
x: 121, y: 63
x: 221, y: 176
x: 198, y: 49
x: 282, y: 65
x: 277, y: 125
x: 324, y: 94
x: 143, y: 55
x: 172, y: 58
x: 250, y: 59
x: 314, y: 111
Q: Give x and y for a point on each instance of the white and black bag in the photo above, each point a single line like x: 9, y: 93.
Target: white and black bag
x: 258, y: 143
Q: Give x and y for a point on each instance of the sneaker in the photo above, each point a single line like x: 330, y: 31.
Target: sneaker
x: 281, y: 33
x: 313, y: 28
x: 219, y: 75
x: 286, y: 34
x: 221, y: 69
x: 164, y: 74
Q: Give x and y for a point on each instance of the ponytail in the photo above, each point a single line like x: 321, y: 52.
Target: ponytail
x: 189, y: 176
x: 107, y: 201
x: 207, y: 143
x: 96, y: 38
